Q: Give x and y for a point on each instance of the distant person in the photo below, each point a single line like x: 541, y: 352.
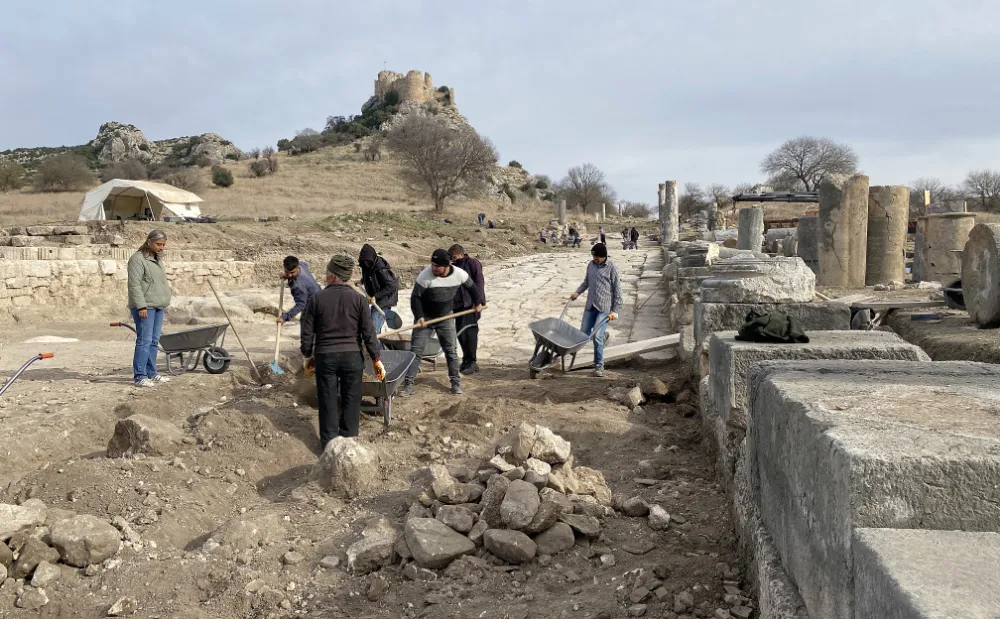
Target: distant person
x: 541, y: 236
x: 433, y: 297
x: 634, y: 237
x: 603, y: 300
x: 148, y: 298
x: 574, y: 237
x: 482, y: 218
x: 600, y: 236
x: 301, y: 284
x: 468, y: 339
x: 380, y: 283
x: 491, y: 225
x: 335, y: 325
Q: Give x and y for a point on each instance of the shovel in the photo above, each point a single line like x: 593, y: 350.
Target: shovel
x: 277, y: 339
x: 392, y: 319
x: 428, y: 323
x: 225, y: 313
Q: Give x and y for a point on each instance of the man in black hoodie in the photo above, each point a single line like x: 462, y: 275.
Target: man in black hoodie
x: 380, y: 283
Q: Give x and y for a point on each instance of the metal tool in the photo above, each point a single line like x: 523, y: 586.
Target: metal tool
x: 277, y: 338
x: 10, y: 381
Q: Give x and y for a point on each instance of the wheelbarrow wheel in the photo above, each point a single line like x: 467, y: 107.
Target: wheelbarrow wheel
x: 213, y: 364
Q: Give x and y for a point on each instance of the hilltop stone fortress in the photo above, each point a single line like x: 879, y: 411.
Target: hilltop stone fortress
x: 415, y: 86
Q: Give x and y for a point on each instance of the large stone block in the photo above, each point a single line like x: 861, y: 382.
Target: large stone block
x: 746, y: 279
x: 912, y: 574
x: 981, y: 274
x: 841, y: 445
x: 710, y: 317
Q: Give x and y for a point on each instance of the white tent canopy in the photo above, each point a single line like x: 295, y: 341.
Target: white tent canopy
x: 122, y: 199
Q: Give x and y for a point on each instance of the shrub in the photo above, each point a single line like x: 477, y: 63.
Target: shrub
x: 11, y: 175
x: 541, y: 184
x: 515, y: 164
x: 183, y: 178
x: 284, y: 145
x: 130, y: 170
x: 254, y: 153
x: 204, y: 161
x: 442, y: 89
x: 357, y: 147
x: 391, y: 98
x: 221, y: 177
x: 271, y: 158
x: 65, y: 172
x: 529, y: 190
x: 373, y: 151
x: 258, y: 168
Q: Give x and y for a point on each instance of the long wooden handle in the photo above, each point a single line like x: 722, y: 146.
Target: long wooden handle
x: 281, y: 309
x: 429, y: 322
x: 374, y: 304
x: 233, y: 327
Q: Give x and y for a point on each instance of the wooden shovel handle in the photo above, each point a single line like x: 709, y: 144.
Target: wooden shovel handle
x: 429, y: 322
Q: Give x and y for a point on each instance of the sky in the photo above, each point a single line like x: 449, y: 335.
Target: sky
x: 647, y: 91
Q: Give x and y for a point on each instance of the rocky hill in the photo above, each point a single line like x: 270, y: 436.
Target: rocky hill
x: 118, y: 142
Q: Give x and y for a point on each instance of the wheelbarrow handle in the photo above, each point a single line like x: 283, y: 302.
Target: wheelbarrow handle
x: 597, y: 327
x: 565, y: 308
x: 10, y: 381
x: 124, y: 324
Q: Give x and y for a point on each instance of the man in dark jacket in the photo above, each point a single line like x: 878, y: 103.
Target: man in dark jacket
x: 380, y: 283
x: 301, y: 283
x: 634, y: 237
x: 335, y: 325
x: 433, y: 297
x: 469, y: 338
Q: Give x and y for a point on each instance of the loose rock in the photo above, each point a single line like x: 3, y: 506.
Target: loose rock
x: 123, y: 607
x: 434, y: 545
x: 683, y: 601
x: 457, y: 493
x: 635, y: 507
x: 511, y: 546
x: 33, y: 553
x: 519, y: 505
x: 537, y: 466
x: 637, y: 610
x: 500, y: 464
x: 496, y: 489
x: 659, y: 519
x: 83, y: 540
x: 590, y: 481
x: 45, y: 574
x: 556, y: 539
x: 652, y: 387
x: 347, y: 468
x: 377, y: 589
x: 292, y: 558
x: 140, y: 434
x: 456, y: 517
x: 415, y: 572
x: 330, y: 562
x: 550, y: 447
x: 638, y: 546
x: 546, y: 516
x: 521, y: 440
x: 476, y: 534
x: 634, y: 397
x: 536, y: 480
x: 515, y: 473
x: 32, y: 599
x: 373, y: 551
x: 6, y: 556
x: 587, y: 526
x: 250, y: 530
x: 14, y: 517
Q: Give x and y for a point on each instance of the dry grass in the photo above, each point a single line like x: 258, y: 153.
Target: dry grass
x: 328, y: 182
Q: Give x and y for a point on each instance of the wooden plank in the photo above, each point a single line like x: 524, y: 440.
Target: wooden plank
x: 851, y: 298
x: 585, y: 358
x: 887, y: 305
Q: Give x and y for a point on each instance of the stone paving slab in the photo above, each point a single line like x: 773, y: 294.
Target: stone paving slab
x: 913, y: 574
x: 838, y: 445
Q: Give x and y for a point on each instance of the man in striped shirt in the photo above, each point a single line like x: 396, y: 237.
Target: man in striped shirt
x: 433, y: 297
x: 603, y: 301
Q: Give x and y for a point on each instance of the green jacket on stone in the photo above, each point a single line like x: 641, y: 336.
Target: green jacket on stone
x: 147, y: 283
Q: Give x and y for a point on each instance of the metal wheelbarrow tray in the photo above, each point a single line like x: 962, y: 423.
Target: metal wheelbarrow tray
x: 201, y: 345
x: 432, y: 350
x: 396, y: 363
x: 554, y: 338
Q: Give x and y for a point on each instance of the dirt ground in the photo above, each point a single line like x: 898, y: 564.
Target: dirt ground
x: 250, y: 450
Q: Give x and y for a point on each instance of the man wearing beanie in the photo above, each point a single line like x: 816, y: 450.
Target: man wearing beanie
x: 603, y: 300
x: 335, y: 324
x: 433, y: 297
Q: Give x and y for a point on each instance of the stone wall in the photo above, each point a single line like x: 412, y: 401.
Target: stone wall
x: 415, y: 86
x: 96, y: 287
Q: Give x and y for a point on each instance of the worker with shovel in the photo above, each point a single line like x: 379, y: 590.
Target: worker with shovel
x: 380, y: 284
x: 433, y: 298
x: 301, y: 284
x: 335, y: 324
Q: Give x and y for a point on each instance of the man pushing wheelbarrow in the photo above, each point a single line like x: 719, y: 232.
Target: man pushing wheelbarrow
x: 604, y: 299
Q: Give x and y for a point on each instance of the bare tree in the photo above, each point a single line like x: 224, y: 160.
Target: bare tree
x: 939, y: 194
x: 720, y: 194
x: 586, y: 187
x: 691, y: 200
x: 984, y: 186
x: 446, y: 159
x: 641, y: 210
x: 800, y: 163
x: 11, y: 175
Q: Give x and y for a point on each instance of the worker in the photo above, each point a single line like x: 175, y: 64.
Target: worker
x: 468, y: 325
x: 634, y: 237
x: 603, y: 300
x: 148, y: 297
x: 433, y: 297
x: 601, y: 238
x: 335, y: 324
x: 301, y: 283
x: 380, y: 284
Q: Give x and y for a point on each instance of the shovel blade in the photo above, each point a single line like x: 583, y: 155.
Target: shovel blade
x: 276, y: 368
x: 393, y: 320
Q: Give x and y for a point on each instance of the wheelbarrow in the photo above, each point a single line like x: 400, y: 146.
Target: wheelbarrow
x: 396, y: 363
x: 557, y: 339
x: 10, y: 381
x: 432, y: 350
x: 201, y: 345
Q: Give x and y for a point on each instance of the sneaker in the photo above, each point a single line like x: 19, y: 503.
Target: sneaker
x: 160, y: 378
x: 407, y: 390
x: 144, y: 383
x: 456, y: 390
x: 599, y: 371
x: 472, y: 368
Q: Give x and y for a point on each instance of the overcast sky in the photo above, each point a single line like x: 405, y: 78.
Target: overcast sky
x: 648, y: 91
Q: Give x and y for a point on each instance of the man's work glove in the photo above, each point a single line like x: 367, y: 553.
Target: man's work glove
x: 310, y: 366
x: 613, y: 316
x: 379, y: 369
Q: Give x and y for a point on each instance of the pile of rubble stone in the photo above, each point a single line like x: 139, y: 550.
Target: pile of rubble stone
x: 35, y: 540
x: 528, y: 501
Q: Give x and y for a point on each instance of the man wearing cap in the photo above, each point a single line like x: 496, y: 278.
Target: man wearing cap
x: 603, y: 300
x: 335, y: 324
x: 434, y: 297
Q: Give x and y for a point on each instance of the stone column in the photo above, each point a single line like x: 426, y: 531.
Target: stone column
x: 562, y: 212
x: 857, y: 195
x: 888, y: 210
x: 713, y: 213
x: 834, y: 237
x: 751, y: 228
x: 917, y: 267
x: 604, y: 211
x: 808, y: 235
x: 945, y: 233
x: 669, y: 214
x: 981, y: 275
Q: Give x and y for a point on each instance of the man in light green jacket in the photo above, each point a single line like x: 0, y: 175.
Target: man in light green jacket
x: 148, y: 297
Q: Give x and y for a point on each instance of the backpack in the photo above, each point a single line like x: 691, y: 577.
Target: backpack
x: 774, y: 327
